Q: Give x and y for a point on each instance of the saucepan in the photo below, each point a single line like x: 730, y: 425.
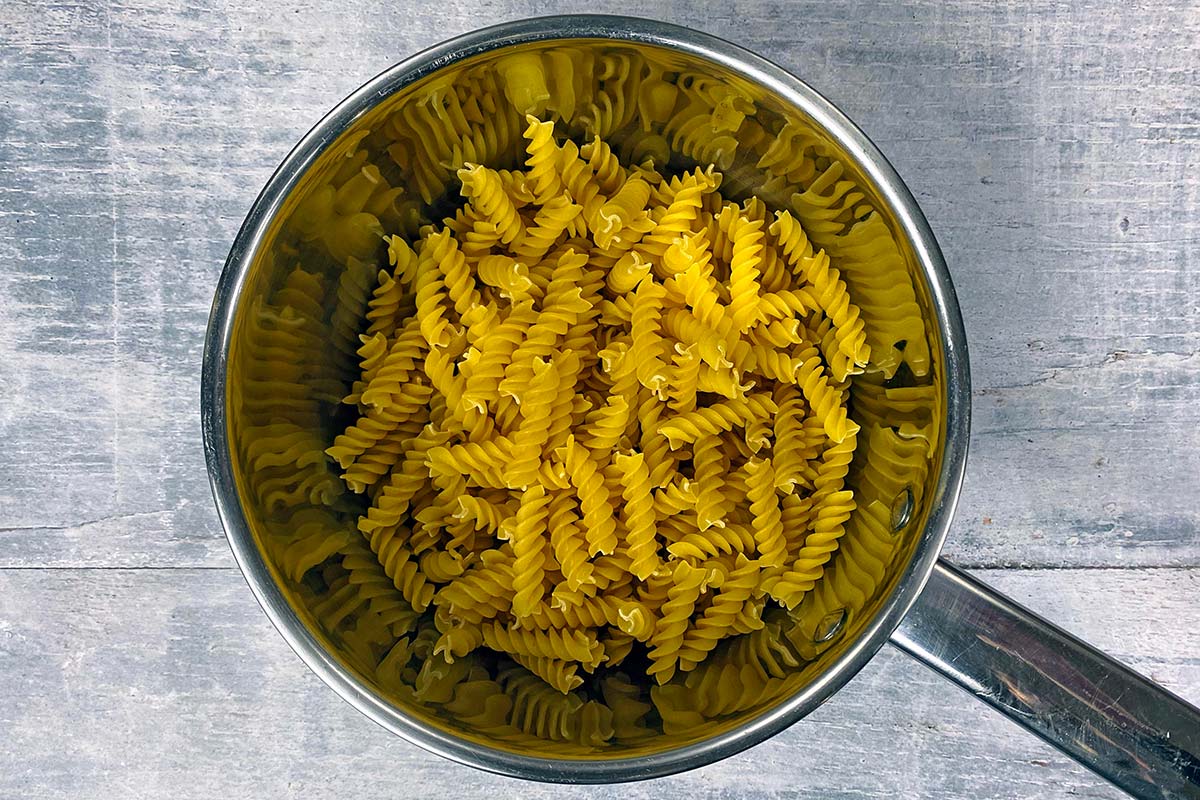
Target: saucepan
x: 273, y: 371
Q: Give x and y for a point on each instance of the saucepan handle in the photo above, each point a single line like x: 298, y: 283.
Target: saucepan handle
x: 1107, y: 717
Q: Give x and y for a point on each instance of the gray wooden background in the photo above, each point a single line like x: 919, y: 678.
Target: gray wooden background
x: 1053, y: 145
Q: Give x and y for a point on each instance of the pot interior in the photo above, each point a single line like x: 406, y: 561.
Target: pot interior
x: 292, y: 358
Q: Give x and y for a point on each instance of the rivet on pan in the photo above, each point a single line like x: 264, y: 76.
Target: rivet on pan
x: 830, y: 626
x: 902, y: 508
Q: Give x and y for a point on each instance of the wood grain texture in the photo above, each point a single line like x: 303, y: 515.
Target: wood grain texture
x: 1053, y: 145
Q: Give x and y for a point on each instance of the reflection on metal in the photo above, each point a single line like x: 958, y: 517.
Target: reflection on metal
x: 1130, y: 730
x: 830, y: 626
x: 902, y: 509
x: 276, y: 361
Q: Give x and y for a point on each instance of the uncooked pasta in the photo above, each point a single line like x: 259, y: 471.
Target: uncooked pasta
x: 535, y: 426
x: 627, y: 377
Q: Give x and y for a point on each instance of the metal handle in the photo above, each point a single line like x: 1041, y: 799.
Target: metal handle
x: 1107, y: 717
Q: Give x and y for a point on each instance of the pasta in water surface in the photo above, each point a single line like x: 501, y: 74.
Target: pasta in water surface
x: 613, y: 448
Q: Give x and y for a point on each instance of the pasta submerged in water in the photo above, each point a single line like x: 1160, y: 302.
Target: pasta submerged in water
x: 616, y: 422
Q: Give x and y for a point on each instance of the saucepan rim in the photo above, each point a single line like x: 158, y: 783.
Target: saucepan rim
x: 953, y: 361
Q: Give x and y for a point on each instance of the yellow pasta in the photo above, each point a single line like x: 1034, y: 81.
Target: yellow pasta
x: 543, y: 155
x: 458, y: 641
x: 746, y: 239
x: 567, y: 541
x: 486, y: 192
x: 716, y: 418
x: 562, y: 675
x: 667, y: 640
x: 536, y: 406
x: 602, y: 411
x: 719, y: 619
x: 764, y: 505
x: 598, y: 333
x: 648, y: 349
x: 527, y: 536
x: 638, y: 515
x: 604, y: 427
x: 594, y: 500
x: 676, y: 497
x: 572, y: 645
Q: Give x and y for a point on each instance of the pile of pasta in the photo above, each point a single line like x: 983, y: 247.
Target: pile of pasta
x: 602, y: 415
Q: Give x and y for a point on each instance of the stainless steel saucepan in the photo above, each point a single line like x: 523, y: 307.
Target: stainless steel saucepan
x: 275, y: 359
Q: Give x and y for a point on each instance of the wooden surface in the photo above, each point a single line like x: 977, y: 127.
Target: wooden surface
x: 1053, y: 145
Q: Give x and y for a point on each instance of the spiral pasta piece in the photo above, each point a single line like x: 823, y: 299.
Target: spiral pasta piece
x: 370, y: 356
x: 483, y: 513
x: 442, y: 566
x: 537, y: 406
x: 527, y: 534
x: 638, y: 514
x: 458, y: 642
x: 481, y: 462
x: 384, y: 379
x: 573, y: 645
x: 599, y: 527
x: 542, y: 160
x: 509, y: 277
x: 831, y: 509
x: 825, y: 401
x: 790, y: 455
x: 726, y: 382
x: 764, y: 505
x: 373, y: 587
x: 648, y: 349
x: 401, y: 566
x: 562, y: 675
x: 580, y: 611
x: 562, y: 307
x: 567, y: 541
x: 676, y: 497
x: 628, y: 707
x: 606, y: 169
x: 384, y: 306
x: 567, y: 407
x: 720, y: 618
x: 432, y: 302
x: 483, y: 592
x: 553, y: 220
x: 709, y: 464
x: 681, y: 214
x: 744, y: 273
x: 786, y: 304
x: 620, y: 212
x: 484, y: 371
x: 833, y: 298
x: 660, y: 460
x: 379, y: 459
x: 685, y: 379
x: 540, y: 710
x: 405, y: 481
x: 604, y: 427
x: 485, y: 189
x: 456, y: 276
x: 667, y: 640
x: 716, y: 541
x: 617, y: 647
x: 687, y: 428
x: 687, y: 329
